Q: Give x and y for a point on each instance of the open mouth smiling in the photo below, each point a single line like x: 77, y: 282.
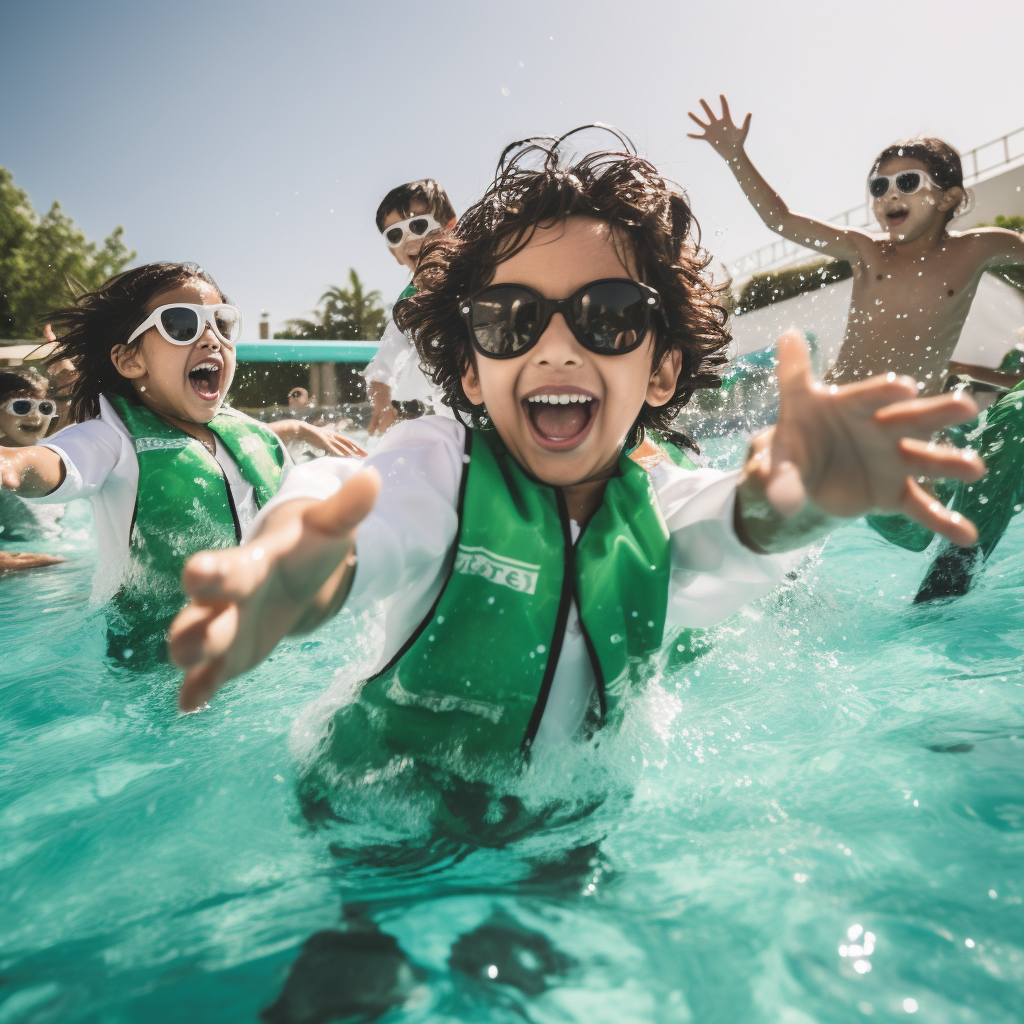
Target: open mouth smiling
x: 30, y: 429
x: 897, y: 216
x: 560, y: 416
x: 205, y: 379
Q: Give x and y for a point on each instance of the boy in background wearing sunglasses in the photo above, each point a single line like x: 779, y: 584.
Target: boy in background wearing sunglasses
x: 25, y: 416
x: 913, y: 286
x: 168, y: 470
x: 533, y: 567
x: 26, y: 410
x: 407, y: 216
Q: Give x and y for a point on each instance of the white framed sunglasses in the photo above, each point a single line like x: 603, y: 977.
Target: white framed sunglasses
x: 46, y: 407
x: 907, y: 182
x: 418, y: 226
x: 182, y: 323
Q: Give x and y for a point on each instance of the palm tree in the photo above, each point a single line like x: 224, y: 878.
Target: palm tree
x: 349, y: 314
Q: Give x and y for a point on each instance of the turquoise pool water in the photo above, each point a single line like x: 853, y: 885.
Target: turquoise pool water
x: 821, y: 820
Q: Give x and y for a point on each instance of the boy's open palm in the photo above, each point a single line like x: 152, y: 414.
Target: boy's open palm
x: 288, y: 578
x: 859, y: 447
x: 721, y: 132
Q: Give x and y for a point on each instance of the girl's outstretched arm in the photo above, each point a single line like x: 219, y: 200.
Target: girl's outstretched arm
x: 30, y: 472
x: 727, y: 140
x: 841, y: 451
x: 315, y: 437
x: 15, y: 561
x: 290, y: 577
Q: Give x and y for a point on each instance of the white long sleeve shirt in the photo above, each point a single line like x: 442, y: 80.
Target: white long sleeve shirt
x: 100, y: 464
x: 405, y: 545
x: 397, y: 364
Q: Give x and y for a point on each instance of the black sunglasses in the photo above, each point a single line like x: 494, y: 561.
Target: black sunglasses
x: 609, y: 317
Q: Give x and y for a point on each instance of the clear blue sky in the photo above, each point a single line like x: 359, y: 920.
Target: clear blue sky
x: 258, y: 138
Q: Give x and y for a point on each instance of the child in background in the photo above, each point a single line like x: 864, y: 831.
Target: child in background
x: 407, y: 216
x: 533, y: 566
x: 913, y: 285
x: 298, y: 401
x: 168, y: 470
x: 25, y: 416
x: 305, y: 440
x: 26, y: 410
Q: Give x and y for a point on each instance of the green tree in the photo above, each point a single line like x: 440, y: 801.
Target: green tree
x: 343, y: 314
x: 1015, y: 222
x: 43, y: 258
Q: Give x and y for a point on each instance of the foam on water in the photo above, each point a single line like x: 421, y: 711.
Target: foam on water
x: 821, y: 819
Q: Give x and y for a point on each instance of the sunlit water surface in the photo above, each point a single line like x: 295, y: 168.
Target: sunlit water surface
x: 821, y: 820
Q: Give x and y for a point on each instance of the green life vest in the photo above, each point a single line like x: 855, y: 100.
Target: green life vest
x: 183, y: 505
x: 476, y: 674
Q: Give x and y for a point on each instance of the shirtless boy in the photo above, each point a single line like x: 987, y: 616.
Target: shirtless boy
x: 914, y: 282
x: 913, y: 286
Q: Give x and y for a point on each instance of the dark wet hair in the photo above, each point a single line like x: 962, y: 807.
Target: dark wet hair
x: 941, y: 160
x: 399, y: 200
x: 650, y: 215
x: 89, y: 329
x: 22, y: 382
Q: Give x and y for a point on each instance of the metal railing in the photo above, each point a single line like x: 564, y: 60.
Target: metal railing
x: 779, y: 252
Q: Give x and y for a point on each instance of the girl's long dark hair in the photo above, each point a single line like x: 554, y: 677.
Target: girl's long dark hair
x: 88, y: 329
x: 531, y: 188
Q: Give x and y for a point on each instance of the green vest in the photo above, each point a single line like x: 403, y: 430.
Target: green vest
x: 476, y: 674
x: 183, y: 505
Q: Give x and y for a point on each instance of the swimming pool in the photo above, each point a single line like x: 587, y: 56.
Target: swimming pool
x: 821, y: 820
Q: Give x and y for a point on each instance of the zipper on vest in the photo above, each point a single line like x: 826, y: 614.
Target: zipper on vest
x: 231, y: 504
x: 231, y: 497
x: 595, y: 663
x: 564, y: 603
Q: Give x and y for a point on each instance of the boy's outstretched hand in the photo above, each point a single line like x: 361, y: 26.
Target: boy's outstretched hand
x: 721, y: 132
x: 291, y: 576
x: 841, y: 451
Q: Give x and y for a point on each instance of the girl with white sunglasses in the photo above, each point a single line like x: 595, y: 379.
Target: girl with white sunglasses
x: 168, y: 468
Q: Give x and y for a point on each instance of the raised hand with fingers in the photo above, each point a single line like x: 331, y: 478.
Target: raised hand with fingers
x: 721, y: 132
x: 291, y: 576
x: 844, y: 451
